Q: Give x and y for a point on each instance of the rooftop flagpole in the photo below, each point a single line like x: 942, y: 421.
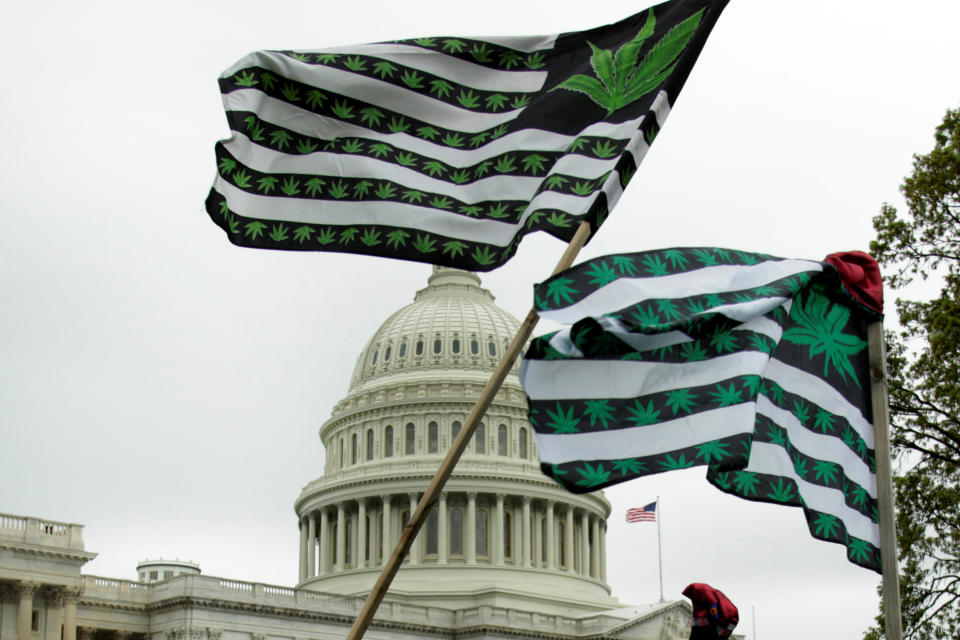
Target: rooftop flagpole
x: 419, y: 516
x: 888, y: 532
x: 659, y: 548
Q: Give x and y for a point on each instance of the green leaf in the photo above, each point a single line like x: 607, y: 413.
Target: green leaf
x: 370, y: 237
x: 495, y: 101
x: 384, y: 69
x: 355, y: 63
x: 714, y: 451
x: 278, y: 233
x: 681, y: 400
x: 385, y: 191
x: 559, y: 289
x: 453, y: 248
x: 267, y: 184
x: 441, y: 87
x: 454, y: 45
x: 241, y: 179
x: 371, y: 115
x: 412, y: 79
x: 468, y: 99
x: 397, y: 238
x: 227, y: 166
x: 254, y: 229
x: 302, y: 233
x: 326, y: 236
x: 483, y: 255
x: 398, y: 125
x: 480, y: 52
x: 280, y: 139
x: 782, y: 492
x: 533, y: 163
x: 505, y: 164
x: 643, y: 415
x: 290, y: 92
x: 342, y: 110
x: 246, y: 79
x: 425, y: 244
x: 412, y: 195
x: 670, y: 464
x: 599, y: 410
x: 535, y: 60
x: 338, y: 190
x: 314, y: 187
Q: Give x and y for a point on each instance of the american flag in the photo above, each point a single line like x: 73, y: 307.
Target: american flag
x: 643, y: 514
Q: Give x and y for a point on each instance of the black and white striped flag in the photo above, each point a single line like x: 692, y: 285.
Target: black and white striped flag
x: 752, y: 365
x: 447, y: 150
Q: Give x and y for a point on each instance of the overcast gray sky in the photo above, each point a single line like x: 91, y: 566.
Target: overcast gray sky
x: 165, y: 388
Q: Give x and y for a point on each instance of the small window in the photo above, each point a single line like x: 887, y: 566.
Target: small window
x: 403, y: 349
x: 474, y: 346
x: 348, y: 530
x: 167, y: 575
x: 502, y: 440
x: 369, y: 444
x: 388, y: 442
x: 419, y: 348
x: 523, y: 443
x: 35, y: 620
x: 456, y: 532
x: 455, y: 345
x: 154, y: 575
x: 481, y: 533
x: 454, y: 430
x: 562, y: 539
x: 343, y: 461
x: 492, y: 348
x: 480, y: 439
x: 437, y: 345
x: 375, y: 352
x: 507, y: 535
x: 386, y: 354
x: 411, y: 439
x: 432, y: 437
x: 432, y: 533
x: 354, y: 453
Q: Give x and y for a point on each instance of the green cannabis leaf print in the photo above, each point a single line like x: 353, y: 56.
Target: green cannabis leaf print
x: 619, y: 80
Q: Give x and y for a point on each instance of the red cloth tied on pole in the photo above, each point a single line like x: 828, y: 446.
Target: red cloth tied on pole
x: 860, y: 275
x: 714, y: 616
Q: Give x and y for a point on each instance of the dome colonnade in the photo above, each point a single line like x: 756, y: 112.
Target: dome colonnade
x: 499, y: 520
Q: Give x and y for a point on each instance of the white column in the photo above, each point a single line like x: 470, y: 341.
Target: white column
x: 55, y: 598
x: 24, y: 591
x: 443, y: 538
x: 585, y: 544
x: 525, y: 519
x: 551, y: 534
x: 595, y: 548
x: 361, y: 548
x: 498, y: 551
x: 568, y: 539
x: 602, y: 545
x: 385, y: 535
x: 324, y: 546
x: 70, y: 613
x: 341, y: 538
x: 311, y: 560
x: 471, y: 527
x: 414, y: 554
x: 303, y: 548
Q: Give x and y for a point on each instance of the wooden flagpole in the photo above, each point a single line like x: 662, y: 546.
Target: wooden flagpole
x: 457, y: 448
x: 888, y: 531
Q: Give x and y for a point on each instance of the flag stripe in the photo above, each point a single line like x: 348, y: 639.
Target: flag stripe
x: 554, y: 380
x: 654, y: 439
x: 772, y: 459
x: 680, y: 285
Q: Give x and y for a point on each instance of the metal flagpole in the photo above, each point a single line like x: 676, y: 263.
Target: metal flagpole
x: 457, y: 448
x: 888, y: 532
x: 659, y: 549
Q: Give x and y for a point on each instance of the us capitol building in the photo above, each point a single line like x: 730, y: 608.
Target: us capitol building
x: 505, y: 552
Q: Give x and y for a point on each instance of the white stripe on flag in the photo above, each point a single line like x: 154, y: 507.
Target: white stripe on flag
x: 716, y: 279
x: 773, y: 459
x: 565, y: 379
x: 663, y: 437
x: 461, y: 71
x: 821, y: 447
x: 819, y: 392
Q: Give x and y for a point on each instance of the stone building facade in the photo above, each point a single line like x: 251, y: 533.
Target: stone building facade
x: 505, y: 552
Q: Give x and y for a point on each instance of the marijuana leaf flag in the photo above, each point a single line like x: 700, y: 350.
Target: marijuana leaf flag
x: 752, y: 365
x: 447, y: 150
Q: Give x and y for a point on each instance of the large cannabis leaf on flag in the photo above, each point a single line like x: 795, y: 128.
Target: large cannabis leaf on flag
x: 745, y: 363
x: 447, y: 150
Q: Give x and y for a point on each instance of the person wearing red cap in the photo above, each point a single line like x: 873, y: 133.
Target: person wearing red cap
x: 714, y: 616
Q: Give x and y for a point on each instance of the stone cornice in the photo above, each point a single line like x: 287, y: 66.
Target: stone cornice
x: 52, y: 552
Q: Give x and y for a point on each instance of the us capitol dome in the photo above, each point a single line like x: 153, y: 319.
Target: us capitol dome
x: 501, y: 533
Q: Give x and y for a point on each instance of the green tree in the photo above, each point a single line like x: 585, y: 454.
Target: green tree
x: 924, y: 368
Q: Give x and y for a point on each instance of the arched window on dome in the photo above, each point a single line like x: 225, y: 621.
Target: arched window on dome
x: 348, y: 555
x: 370, y: 547
x: 403, y: 349
x: 432, y: 533
x: 456, y: 532
x: 418, y: 348
x: 332, y: 546
x: 474, y: 346
x: 386, y: 354
x: 410, y: 445
x: 433, y: 437
x: 522, y: 440
x: 502, y: 440
x: 480, y: 439
x: 562, y: 543
x: 543, y: 542
x: 437, y: 345
x: 455, y: 430
x: 376, y: 352
x: 492, y: 347
x: 353, y: 449
x: 482, y: 545
x: 455, y: 345
x: 507, y: 536
x: 388, y: 442
x: 343, y: 461
x: 369, y: 444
